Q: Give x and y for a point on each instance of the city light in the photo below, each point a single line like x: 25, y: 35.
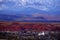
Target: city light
x: 41, y: 33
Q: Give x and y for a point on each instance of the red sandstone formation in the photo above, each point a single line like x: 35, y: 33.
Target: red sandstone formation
x: 17, y: 26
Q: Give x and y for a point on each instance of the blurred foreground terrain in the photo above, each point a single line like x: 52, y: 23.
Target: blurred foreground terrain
x: 29, y: 31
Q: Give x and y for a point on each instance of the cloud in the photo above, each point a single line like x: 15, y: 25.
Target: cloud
x: 44, y: 5
x: 1, y: 0
x: 3, y: 7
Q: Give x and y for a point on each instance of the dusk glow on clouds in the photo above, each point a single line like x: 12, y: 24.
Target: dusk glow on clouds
x: 36, y: 9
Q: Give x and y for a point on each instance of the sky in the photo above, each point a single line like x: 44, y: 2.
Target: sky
x: 18, y: 10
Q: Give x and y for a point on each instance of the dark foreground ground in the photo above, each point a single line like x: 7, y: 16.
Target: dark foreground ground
x: 29, y: 31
